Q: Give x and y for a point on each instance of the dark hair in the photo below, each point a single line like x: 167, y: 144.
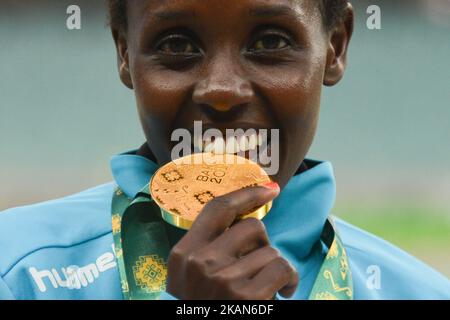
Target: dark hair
x: 332, y: 12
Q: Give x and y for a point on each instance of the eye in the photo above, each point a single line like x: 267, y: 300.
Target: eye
x: 177, y: 45
x: 270, y: 42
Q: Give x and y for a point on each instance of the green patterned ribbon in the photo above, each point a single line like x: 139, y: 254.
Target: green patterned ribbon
x: 137, y: 226
x: 334, y: 281
x: 143, y: 241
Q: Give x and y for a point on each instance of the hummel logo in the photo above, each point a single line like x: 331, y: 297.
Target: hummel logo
x: 73, y: 277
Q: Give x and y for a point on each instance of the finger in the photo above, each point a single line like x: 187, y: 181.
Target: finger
x: 221, y: 212
x: 289, y: 290
x: 278, y: 276
x: 243, y: 237
x: 250, y: 265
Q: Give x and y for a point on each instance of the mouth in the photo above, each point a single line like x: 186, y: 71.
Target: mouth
x: 257, y: 143
x: 238, y: 143
x: 237, y: 138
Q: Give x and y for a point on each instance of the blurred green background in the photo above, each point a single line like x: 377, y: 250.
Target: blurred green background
x: 385, y: 127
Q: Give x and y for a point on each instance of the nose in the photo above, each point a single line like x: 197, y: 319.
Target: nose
x: 223, y: 86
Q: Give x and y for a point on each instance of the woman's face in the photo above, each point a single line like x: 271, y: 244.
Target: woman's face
x: 230, y: 64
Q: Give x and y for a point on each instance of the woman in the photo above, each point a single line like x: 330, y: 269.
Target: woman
x: 248, y: 64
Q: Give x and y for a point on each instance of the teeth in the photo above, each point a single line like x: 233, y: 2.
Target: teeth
x: 252, y: 141
x: 243, y: 143
x: 232, y: 145
x: 198, y: 144
x: 209, y: 147
x: 219, y: 146
x: 260, y: 139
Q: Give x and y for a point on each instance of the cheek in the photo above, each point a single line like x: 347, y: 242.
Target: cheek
x: 294, y: 92
x: 159, y: 93
x: 159, y: 96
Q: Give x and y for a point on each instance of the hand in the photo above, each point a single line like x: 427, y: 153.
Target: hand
x: 217, y: 259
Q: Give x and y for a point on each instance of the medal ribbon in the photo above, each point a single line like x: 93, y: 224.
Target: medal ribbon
x: 142, y: 247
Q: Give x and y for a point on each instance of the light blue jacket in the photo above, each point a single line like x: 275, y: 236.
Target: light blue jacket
x: 63, y: 249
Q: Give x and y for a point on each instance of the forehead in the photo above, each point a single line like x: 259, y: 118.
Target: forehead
x: 218, y: 11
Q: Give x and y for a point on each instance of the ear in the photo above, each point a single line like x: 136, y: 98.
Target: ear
x: 339, y: 39
x: 122, y: 57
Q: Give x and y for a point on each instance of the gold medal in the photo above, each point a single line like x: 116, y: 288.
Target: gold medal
x: 182, y: 187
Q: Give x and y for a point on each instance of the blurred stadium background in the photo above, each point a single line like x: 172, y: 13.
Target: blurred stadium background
x: 385, y: 128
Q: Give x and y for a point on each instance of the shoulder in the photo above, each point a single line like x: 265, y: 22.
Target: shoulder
x: 400, y: 275
x: 62, y: 222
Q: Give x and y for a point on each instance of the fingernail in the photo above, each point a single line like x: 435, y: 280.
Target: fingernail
x: 272, y: 185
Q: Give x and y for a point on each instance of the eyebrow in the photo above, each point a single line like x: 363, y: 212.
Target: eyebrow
x: 273, y: 11
x: 173, y: 15
x: 268, y: 11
